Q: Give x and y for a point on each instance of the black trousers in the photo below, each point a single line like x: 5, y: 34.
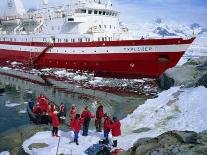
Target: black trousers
x: 85, y: 128
x: 55, y: 131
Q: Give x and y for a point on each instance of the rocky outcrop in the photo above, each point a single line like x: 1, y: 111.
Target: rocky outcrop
x: 191, y: 74
x: 171, y: 143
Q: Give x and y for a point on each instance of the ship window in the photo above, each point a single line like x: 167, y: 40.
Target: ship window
x: 95, y: 11
x: 104, y: 12
x: 80, y: 40
x: 83, y: 11
x: 107, y: 50
x: 70, y: 19
x: 100, y: 26
x: 103, y: 39
x: 105, y: 26
x: 73, y: 40
x: 98, y: 39
x: 107, y: 13
x: 88, y: 39
x: 110, y: 26
x: 89, y: 11
x: 100, y: 12
x: 95, y: 51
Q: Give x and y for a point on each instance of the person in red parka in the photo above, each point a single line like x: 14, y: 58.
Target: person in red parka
x: 55, y: 124
x: 76, y: 126
x: 38, y: 113
x: 86, y: 115
x: 107, y: 123
x: 72, y: 113
x: 116, y: 130
x: 99, y: 116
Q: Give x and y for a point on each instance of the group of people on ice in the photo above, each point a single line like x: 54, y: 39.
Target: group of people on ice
x: 103, y: 122
x: 45, y: 109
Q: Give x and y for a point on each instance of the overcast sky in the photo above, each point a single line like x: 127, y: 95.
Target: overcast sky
x: 180, y: 11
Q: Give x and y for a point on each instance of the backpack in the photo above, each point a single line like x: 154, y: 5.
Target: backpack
x: 98, y: 149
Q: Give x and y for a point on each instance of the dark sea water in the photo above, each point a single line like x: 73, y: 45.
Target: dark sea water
x: 18, y: 91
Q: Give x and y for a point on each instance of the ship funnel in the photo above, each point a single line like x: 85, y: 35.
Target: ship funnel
x: 45, y: 2
x: 14, y: 8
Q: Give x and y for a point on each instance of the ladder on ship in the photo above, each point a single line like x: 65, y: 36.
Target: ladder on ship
x: 49, y: 46
x: 33, y: 62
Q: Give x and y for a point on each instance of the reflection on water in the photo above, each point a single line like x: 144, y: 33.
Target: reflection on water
x: 18, y: 90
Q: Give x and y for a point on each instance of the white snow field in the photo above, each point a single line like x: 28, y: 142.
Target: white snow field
x: 174, y: 109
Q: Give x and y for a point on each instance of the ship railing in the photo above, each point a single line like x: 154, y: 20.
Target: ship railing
x: 7, y: 18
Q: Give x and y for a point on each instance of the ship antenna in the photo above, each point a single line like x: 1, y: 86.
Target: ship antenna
x: 193, y: 34
x: 109, y: 3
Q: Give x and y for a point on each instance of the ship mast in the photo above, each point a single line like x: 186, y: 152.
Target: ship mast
x: 14, y: 8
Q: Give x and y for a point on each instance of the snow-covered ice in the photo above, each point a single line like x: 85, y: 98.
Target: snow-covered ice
x: 79, y: 77
x: 66, y: 146
x: 23, y: 111
x: 174, y: 109
x: 10, y: 105
x: 5, y: 153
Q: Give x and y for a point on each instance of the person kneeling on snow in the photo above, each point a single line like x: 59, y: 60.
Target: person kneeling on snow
x: 55, y: 124
x: 76, y: 126
x: 116, y: 130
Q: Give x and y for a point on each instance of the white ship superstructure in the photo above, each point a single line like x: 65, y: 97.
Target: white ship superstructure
x: 79, y: 21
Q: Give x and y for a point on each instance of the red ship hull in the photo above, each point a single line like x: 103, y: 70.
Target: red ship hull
x: 118, y: 64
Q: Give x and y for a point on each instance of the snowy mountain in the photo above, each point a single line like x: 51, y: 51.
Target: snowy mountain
x: 160, y: 28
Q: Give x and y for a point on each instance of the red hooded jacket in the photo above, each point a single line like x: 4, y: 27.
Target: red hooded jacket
x: 76, y: 124
x: 107, y: 123
x: 99, y: 113
x: 87, y: 113
x: 55, y: 120
x: 116, y: 128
